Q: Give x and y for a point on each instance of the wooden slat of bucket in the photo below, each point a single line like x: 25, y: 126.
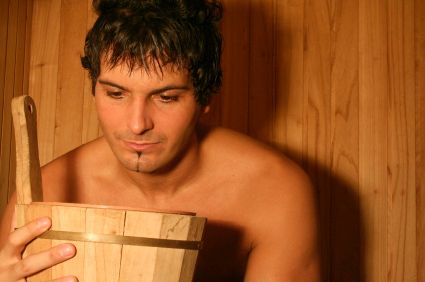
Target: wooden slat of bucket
x: 103, y: 261
x: 140, y: 260
x: 196, y: 232
x: 172, y: 227
x: 28, y: 213
x: 70, y: 219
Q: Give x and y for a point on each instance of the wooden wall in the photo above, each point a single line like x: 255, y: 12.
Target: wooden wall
x: 338, y: 85
x: 15, y: 28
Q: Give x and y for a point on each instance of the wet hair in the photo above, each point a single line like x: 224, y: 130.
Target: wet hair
x: 142, y: 33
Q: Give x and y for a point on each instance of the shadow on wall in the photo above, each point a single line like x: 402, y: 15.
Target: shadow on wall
x: 341, y: 232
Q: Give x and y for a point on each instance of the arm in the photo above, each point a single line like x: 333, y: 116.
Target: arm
x: 285, y: 246
x: 12, y: 244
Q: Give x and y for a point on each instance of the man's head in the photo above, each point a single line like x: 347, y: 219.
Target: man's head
x: 183, y: 33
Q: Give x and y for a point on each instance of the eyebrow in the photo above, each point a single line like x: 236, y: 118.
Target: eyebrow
x: 105, y: 82
x: 155, y: 91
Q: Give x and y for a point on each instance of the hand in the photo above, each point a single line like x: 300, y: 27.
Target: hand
x: 14, y: 268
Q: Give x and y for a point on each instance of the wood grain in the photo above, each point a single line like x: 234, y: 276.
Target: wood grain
x: 14, y: 44
x: 90, y: 124
x: 8, y: 90
x: 28, y: 174
x: 344, y: 123
x: 401, y: 142
x: 131, y: 254
x: 317, y: 86
x: 419, y: 31
x: 4, y: 163
x: 43, y: 79
x: 289, y: 86
x: 261, y: 69
x: 373, y: 187
x: 235, y: 63
x: 102, y: 262
x: 71, y: 78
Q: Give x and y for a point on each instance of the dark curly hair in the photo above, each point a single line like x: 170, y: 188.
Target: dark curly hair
x: 184, y: 33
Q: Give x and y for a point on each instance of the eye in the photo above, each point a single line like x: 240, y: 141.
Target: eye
x: 167, y: 98
x: 115, y: 94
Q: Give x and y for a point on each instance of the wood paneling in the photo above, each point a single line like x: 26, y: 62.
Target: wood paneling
x: 15, y: 19
x: 419, y: 32
x: 337, y: 85
x: 373, y: 102
x: 401, y: 142
x: 44, y: 72
x: 344, y: 123
x: 317, y: 105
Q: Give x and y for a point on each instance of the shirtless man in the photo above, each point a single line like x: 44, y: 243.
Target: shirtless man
x: 154, y: 66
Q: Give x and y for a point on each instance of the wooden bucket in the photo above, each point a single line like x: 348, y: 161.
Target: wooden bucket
x: 113, y: 243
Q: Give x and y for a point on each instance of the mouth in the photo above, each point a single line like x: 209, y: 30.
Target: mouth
x: 139, y: 146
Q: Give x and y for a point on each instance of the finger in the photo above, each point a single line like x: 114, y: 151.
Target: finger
x: 66, y: 279
x: 40, y: 261
x: 19, y: 238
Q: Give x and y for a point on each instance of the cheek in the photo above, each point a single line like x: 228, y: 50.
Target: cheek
x: 108, y: 117
x: 183, y: 124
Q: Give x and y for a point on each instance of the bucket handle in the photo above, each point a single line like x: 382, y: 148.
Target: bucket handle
x: 28, y: 173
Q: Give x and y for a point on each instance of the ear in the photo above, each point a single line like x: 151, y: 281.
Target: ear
x: 206, y: 109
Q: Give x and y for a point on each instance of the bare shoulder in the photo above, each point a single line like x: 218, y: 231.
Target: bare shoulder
x: 69, y: 171
x: 268, y: 177
x: 277, y: 203
x: 266, y: 166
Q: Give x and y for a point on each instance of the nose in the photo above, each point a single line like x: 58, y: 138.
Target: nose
x: 139, y: 116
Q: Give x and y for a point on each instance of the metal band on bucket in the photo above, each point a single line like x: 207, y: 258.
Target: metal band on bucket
x: 122, y: 240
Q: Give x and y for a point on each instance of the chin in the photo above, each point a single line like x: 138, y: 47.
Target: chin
x: 134, y: 164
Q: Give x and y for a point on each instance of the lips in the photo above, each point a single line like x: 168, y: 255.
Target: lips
x: 140, y: 146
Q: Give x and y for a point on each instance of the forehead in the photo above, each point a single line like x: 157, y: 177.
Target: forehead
x: 147, y: 64
x: 152, y: 71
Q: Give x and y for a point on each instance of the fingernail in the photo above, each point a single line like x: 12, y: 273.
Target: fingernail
x: 66, y: 251
x: 43, y: 222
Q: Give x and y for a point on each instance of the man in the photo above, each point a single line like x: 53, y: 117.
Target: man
x: 154, y: 66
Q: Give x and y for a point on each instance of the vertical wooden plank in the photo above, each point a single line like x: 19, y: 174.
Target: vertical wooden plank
x: 289, y: 100
x: 13, y: 68
x: 70, y: 219
x: 21, y: 72
x: 19, y: 86
x: 344, y: 120
x: 141, y: 225
x: 373, y: 100
x: 91, y: 128
x: 420, y: 136
x: 8, y: 90
x: 102, y: 262
x: 262, y: 69
x: 71, y: 76
x: 231, y: 107
x: 44, y: 71
x: 28, y: 29
x: 196, y: 232
x: 175, y: 228
x: 317, y: 88
x: 401, y: 142
x: 4, y: 17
